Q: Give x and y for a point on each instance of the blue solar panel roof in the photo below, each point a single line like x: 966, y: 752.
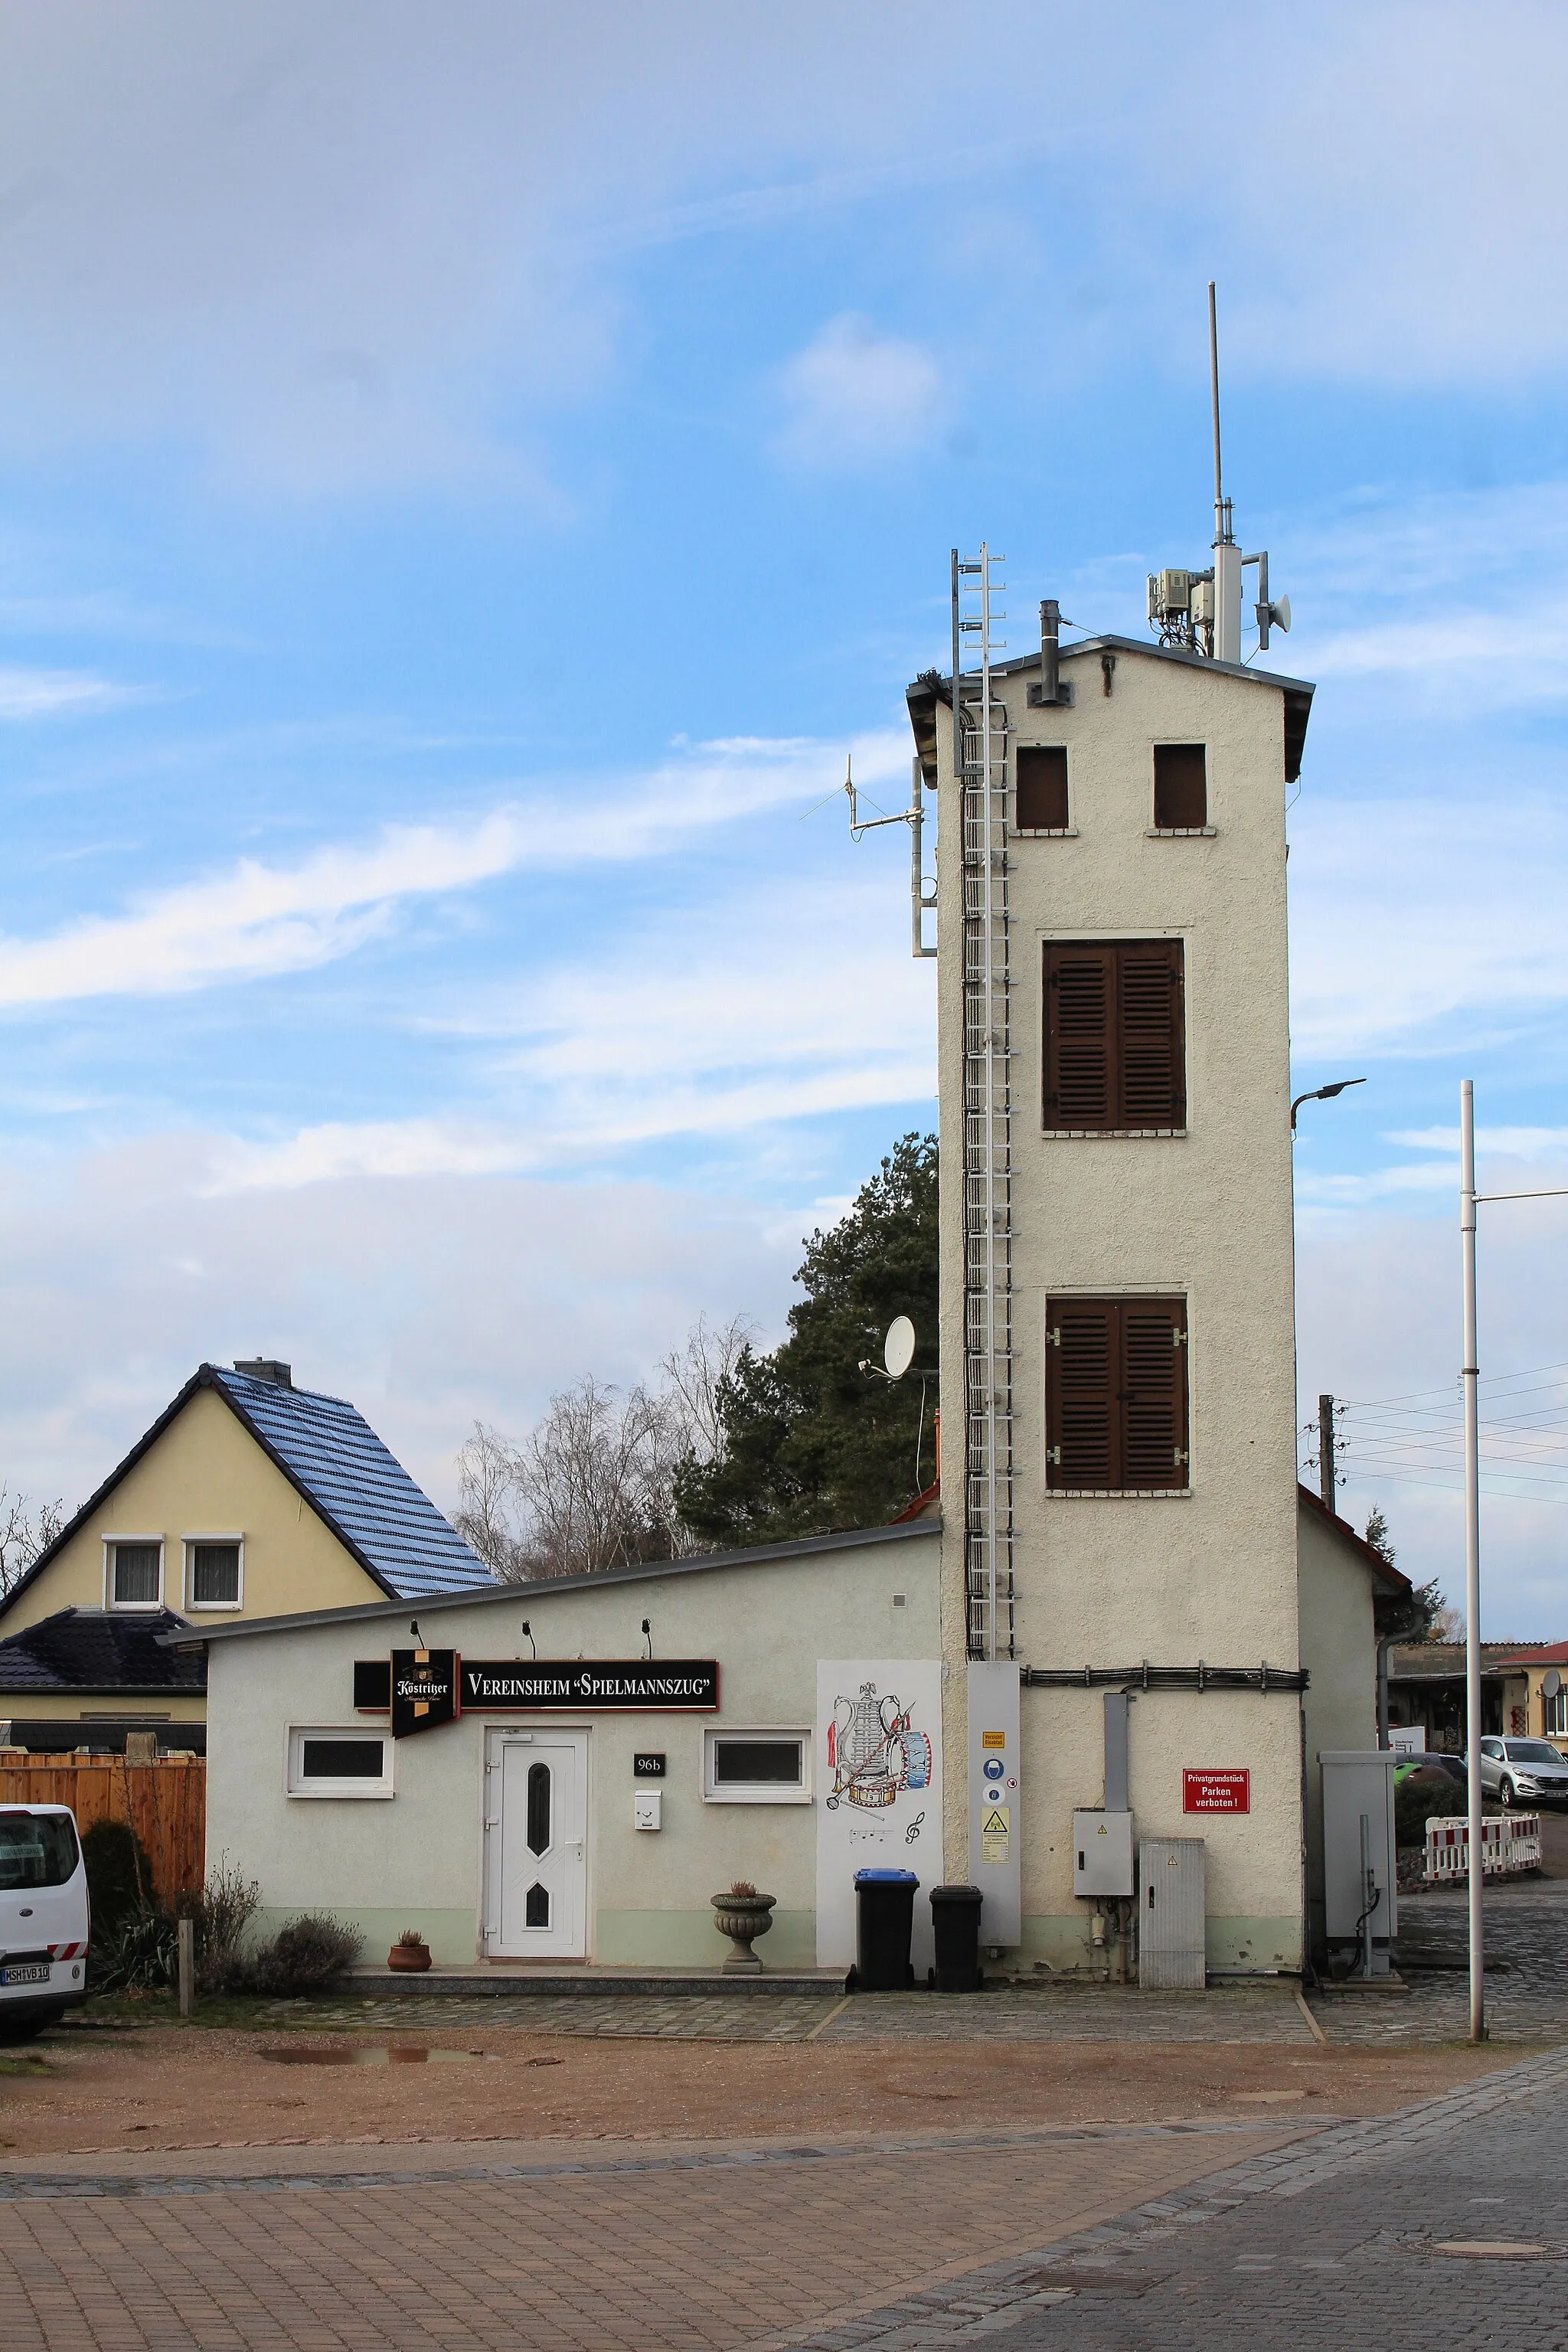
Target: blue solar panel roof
x: 361, y: 1488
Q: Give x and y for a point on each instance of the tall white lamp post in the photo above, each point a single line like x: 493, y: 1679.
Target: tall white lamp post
x: 1469, y: 1201
x: 1469, y: 1374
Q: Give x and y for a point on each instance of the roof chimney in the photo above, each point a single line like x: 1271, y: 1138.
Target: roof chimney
x: 266, y: 1367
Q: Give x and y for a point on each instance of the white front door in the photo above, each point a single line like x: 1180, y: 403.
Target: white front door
x: 537, y: 1835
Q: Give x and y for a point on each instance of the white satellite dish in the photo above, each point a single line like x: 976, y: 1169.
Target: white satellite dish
x: 898, y: 1348
x: 1279, y: 613
x: 1551, y: 1682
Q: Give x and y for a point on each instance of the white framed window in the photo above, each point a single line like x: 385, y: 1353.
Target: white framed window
x: 133, y: 1571
x: 1556, y: 1713
x: 215, y: 1571
x: 327, y: 1760
x: 765, y: 1766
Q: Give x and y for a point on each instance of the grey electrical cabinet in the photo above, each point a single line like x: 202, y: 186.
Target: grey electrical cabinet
x: 1102, y: 1853
x: 1361, y: 1874
x: 1170, y: 1945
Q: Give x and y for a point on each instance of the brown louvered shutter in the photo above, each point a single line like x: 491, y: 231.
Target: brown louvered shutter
x: 1153, y: 1394
x: 1151, y: 1062
x: 1116, y: 1393
x: 1181, y: 787
x: 1080, y: 1030
x: 1115, y: 1033
x: 1041, y: 785
x: 1081, y: 1402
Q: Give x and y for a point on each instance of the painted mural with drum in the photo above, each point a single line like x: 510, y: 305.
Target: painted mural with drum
x: 879, y: 1739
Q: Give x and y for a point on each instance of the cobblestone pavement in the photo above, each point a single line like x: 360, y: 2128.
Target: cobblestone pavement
x: 630, y: 2016
x: 1437, y: 2231
x: 634, y: 2253
x: 1078, y: 2013
x: 1527, y: 1971
x: 1027, y: 2013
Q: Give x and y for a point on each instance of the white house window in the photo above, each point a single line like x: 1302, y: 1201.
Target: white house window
x: 134, y: 1572
x: 325, y: 1762
x: 213, y: 1569
x: 1555, y: 1710
x: 756, y: 1768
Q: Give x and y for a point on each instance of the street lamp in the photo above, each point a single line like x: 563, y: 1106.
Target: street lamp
x: 1322, y: 1094
x: 1469, y: 1374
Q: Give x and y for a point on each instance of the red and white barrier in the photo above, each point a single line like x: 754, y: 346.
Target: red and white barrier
x: 1509, y: 1841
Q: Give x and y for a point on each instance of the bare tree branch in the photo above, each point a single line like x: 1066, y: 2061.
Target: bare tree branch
x: 23, y: 1534
x: 593, y: 1486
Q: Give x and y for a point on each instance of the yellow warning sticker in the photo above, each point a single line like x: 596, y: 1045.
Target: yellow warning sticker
x: 993, y: 1740
x: 993, y: 1826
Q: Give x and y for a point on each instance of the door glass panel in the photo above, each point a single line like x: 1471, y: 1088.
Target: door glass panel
x: 538, y: 1814
x: 536, y: 1902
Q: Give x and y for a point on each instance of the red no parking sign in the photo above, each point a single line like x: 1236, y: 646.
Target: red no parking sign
x: 1224, y: 1789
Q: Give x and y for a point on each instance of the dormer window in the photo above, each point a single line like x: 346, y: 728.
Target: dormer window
x: 1181, y: 788
x: 134, y: 1572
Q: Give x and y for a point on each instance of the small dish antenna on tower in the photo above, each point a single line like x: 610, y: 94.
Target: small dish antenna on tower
x: 898, y: 1348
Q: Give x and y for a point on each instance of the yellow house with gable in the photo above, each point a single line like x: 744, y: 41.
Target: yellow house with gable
x: 246, y: 1497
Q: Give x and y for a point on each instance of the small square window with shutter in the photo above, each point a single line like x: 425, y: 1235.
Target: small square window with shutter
x: 1115, y: 1036
x: 1115, y: 1394
x: 1041, y: 773
x: 1181, y: 787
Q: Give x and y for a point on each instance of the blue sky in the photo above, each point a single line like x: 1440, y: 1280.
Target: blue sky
x: 467, y: 477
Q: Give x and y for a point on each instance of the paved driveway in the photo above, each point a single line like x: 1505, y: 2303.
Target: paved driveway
x: 1444, y: 2229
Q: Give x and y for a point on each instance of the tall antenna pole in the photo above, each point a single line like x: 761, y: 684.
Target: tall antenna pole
x: 1226, y: 639
x: 1470, y: 1373
x: 1214, y: 398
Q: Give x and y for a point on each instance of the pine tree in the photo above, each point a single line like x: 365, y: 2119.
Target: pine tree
x: 809, y: 1441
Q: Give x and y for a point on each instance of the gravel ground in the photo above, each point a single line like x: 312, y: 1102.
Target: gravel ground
x: 172, y: 2087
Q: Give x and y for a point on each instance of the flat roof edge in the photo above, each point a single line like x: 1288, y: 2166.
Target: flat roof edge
x: 800, y: 1548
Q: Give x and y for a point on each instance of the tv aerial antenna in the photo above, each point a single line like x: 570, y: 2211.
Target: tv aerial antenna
x: 920, y: 899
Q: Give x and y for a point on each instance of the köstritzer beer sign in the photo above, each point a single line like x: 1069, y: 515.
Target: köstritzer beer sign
x: 424, y: 1690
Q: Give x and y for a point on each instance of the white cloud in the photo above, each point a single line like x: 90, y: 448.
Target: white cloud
x: 256, y: 921
x: 48, y: 693
x: 722, y: 1023
x: 1507, y: 1142
x: 1410, y: 914
x: 854, y: 398
x: 430, y: 1302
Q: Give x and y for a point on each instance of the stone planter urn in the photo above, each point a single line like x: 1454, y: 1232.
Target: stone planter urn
x: 741, y: 1913
x: 406, y: 1955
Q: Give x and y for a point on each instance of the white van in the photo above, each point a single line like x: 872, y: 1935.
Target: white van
x: 44, y: 1919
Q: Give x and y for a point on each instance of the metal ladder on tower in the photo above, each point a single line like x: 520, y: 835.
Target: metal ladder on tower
x: 980, y: 766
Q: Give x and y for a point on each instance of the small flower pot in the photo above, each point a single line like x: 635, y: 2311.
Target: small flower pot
x: 742, y: 1916
x: 414, y: 1956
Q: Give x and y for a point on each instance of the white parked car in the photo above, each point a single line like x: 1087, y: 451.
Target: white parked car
x: 44, y: 1919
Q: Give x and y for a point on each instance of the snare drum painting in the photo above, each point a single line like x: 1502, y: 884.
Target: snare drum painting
x: 879, y: 1747
x: 873, y: 1750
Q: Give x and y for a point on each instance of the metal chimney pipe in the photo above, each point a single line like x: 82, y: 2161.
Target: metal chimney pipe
x: 1051, y: 633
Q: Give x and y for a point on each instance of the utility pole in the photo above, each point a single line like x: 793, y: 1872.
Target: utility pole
x: 1326, y: 1475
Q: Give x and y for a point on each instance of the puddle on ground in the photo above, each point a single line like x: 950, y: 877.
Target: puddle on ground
x: 408, y: 2054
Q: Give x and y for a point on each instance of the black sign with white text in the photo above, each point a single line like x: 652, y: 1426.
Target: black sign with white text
x: 651, y: 1685
x: 424, y: 1690
x: 648, y: 1768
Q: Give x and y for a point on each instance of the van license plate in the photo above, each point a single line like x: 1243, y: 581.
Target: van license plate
x: 31, y: 1972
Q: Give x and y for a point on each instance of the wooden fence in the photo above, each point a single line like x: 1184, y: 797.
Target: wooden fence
x: 165, y: 1804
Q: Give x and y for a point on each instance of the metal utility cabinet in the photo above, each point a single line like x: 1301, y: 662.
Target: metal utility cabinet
x: 1360, y: 1877
x: 1102, y: 1853
x: 1171, y: 1942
